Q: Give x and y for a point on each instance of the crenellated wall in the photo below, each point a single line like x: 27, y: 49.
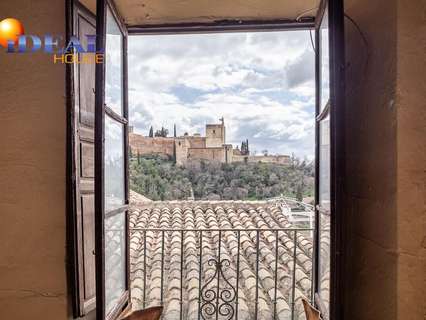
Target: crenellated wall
x: 146, y: 145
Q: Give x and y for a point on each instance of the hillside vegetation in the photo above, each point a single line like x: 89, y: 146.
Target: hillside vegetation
x: 158, y: 178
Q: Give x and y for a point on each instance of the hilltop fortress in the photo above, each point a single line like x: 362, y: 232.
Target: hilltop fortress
x: 186, y: 148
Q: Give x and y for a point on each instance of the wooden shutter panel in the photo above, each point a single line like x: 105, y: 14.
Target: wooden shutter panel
x: 84, y: 120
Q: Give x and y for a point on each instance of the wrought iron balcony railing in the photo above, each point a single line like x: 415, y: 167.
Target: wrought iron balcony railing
x: 222, y: 273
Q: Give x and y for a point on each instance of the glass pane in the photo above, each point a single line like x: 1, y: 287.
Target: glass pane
x: 114, y: 164
x: 324, y: 201
x: 115, y: 259
x: 324, y: 62
x: 324, y: 265
x: 324, y: 164
x: 113, y: 65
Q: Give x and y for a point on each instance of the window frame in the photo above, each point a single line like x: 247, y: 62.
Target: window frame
x: 102, y: 110
x: 75, y: 272
x: 336, y: 128
x: 335, y: 110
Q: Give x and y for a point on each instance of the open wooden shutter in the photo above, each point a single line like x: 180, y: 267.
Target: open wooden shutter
x: 111, y: 166
x: 329, y: 157
x: 84, y: 173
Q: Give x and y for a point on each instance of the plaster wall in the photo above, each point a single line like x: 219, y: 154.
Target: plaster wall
x: 32, y: 168
x: 385, y: 156
x: 411, y: 159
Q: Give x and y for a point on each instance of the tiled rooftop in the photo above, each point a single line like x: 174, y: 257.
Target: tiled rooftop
x: 181, y: 276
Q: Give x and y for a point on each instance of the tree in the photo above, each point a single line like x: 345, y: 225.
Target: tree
x: 265, y: 152
x: 161, y: 133
x: 293, y: 161
x: 151, y: 132
x: 299, y: 192
x: 245, y: 148
x: 158, y: 178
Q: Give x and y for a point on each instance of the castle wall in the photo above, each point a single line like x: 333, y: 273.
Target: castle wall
x: 269, y: 159
x: 182, y: 145
x: 229, y: 153
x: 209, y: 154
x: 238, y: 158
x: 196, y: 142
x: 146, y: 145
x: 210, y: 148
x: 282, y: 159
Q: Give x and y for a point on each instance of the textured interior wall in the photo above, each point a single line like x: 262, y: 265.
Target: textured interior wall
x: 32, y: 166
x: 385, y: 160
x: 411, y: 159
x: 371, y: 161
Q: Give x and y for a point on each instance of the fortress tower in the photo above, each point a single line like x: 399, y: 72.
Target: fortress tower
x: 215, y: 135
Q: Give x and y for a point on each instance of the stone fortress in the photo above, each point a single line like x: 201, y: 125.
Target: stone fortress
x: 186, y: 148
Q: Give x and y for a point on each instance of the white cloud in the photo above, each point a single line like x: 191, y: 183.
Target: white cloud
x: 252, y: 79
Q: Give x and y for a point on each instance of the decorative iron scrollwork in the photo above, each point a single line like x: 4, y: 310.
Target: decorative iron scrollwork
x: 217, y: 301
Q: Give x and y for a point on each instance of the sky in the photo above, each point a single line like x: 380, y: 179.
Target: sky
x: 262, y: 83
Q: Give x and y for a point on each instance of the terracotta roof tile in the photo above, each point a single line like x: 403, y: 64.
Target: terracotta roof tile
x: 214, y: 215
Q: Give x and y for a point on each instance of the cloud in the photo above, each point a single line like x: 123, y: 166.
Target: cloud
x: 301, y: 70
x: 262, y: 83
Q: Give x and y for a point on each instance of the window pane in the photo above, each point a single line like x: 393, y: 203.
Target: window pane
x: 324, y: 265
x: 324, y: 164
x: 324, y: 62
x: 115, y: 259
x: 113, y: 65
x: 114, y: 164
x: 324, y: 223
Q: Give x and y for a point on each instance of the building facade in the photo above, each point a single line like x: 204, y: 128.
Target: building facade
x: 211, y: 147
